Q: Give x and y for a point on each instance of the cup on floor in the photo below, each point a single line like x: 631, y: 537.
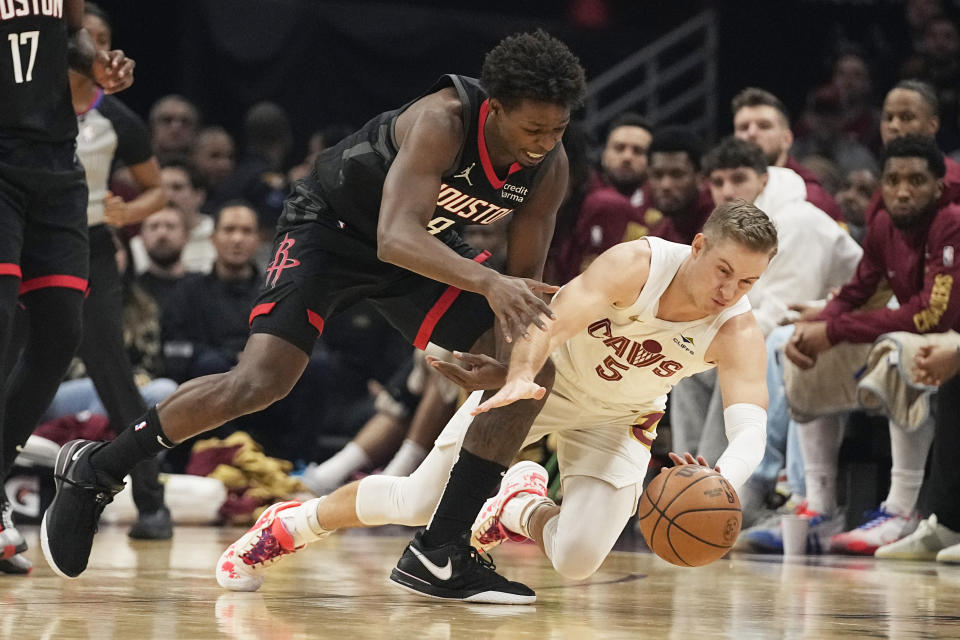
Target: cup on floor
x: 794, y: 529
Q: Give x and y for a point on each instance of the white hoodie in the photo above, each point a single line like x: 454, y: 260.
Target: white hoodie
x: 815, y: 254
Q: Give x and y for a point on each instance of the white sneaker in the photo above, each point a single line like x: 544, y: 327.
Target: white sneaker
x: 882, y: 527
x: 280, y: 530
x: 924, y: 543
x: 523, y: 478
x: 950, y: 555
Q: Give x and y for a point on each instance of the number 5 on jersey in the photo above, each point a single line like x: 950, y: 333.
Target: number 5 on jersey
x: 18, y: 40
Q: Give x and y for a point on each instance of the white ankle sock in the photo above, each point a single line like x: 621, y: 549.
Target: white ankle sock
x: 518, y: 509
x: 909, y: 453
x: 820, y: 441
x: 302, y: 522
x: 406, y: 460
x: 334, y: 471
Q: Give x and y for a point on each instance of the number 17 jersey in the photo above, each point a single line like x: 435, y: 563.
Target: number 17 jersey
x: 34, y: 87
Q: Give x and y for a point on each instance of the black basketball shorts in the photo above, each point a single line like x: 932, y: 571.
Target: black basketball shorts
x: 319, y: 269
x: 43, y: 215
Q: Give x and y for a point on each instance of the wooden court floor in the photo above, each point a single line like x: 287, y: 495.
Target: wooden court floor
x: 338, y: 589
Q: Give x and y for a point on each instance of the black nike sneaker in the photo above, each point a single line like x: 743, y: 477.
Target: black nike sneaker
x: 456, y: 571
x: 66, y: 533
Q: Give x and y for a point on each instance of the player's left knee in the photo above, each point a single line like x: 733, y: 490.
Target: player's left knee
x: 577, y: 562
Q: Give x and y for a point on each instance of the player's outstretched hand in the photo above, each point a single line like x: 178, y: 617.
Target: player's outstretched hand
x: 687, y: 458
x: 476, y: 372
x: 516, y: 304
x: 510, y: 393
x: 113, y: 70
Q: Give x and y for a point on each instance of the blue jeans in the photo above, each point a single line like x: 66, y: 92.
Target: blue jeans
x: 76, y: 396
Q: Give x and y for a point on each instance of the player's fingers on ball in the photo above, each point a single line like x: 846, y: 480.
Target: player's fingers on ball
x: 539, y: 393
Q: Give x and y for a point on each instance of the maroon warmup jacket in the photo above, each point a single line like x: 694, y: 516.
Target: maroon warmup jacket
x: 921, y: 265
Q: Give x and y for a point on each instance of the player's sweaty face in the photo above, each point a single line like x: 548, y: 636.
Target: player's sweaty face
x: 531, y: 129
x: 725, y: 271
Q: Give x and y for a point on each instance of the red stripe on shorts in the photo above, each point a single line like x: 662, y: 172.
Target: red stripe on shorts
x: 316, y: 320
x: 10, y: 269
x: 261, y: 310
x: 46, y: 282
x: 439, y: 308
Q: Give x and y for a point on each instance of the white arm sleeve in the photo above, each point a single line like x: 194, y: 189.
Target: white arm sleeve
x: 746, y: 427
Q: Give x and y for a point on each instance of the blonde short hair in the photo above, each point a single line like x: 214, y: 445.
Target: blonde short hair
x: 743, y: 223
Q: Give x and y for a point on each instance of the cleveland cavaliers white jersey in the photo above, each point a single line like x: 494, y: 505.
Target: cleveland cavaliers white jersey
x: 630, y: 357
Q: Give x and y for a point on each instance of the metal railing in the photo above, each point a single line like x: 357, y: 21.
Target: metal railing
x: 676, y: 75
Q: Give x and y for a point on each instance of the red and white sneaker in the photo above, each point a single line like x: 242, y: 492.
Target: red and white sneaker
x: 11, y: 542
x: 882, y: 527
x: 524, y: 478
x: 279, y: 531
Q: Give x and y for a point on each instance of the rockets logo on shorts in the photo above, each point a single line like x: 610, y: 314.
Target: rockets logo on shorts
x: 281, y: 261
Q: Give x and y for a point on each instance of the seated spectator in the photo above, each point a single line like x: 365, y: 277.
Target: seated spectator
x: 761, y: 117
x: 162, y: 238
x: 937, y: 61
x: 676, y: 187
x: 214, y: 158
x: 912, y: 108
x: 616, y: 196
x: 174, y: 121
x: 205, y: 320
x: 854, y: 198
x: 814, y: 255
x: 825, y: 135
x: 909, y: 245
x: 184, y: 188
x: 850, y: 77
x: 258, y: 177
x: 205, y: 327
x: 937, y: 537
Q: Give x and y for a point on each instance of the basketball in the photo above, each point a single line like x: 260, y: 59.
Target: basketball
x: 690, y: 515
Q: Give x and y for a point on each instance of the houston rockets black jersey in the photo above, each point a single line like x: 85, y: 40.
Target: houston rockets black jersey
x: 348, y: 178
x: 34, y: 87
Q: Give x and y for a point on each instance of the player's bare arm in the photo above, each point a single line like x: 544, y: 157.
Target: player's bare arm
x: 528, y: 238
x: 112, y: 70
x: 741, y: 356
x: 430, y: 136
x: 740, y: 353
x: 616, y: 277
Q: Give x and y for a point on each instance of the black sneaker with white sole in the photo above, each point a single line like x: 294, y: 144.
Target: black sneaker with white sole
x: 66, y: 533
x: 456, y: 571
